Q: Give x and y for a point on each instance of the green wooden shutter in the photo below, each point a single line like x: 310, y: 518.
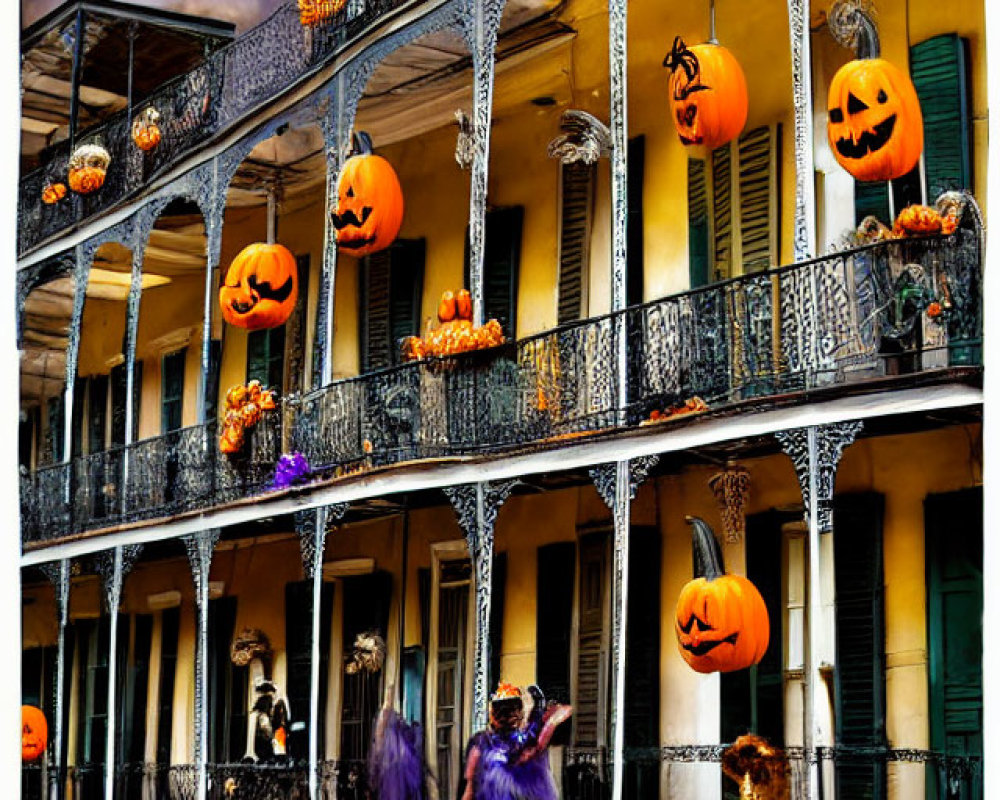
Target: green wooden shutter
x: 132, y: 712
x: 722, y: 216
x: 298, y: 649
x: 391, y: 290
x: 501, y: 266
x: 79, y: 395
x: 635, y: 268
x: 575, y: 219
x: 169, y: 636
x: 375, y: 271
x: 497, y: 597
x: 56, y: 409
x: 697, y: 195
x: 227, y: 687
x: 938, y: 67
x: 172, y: 390
x: 212, y: 380
x: 758, y: 203
x: 266, y: 357
x: 860, y: 619
x: 871, y: 200
x: 588, y: 716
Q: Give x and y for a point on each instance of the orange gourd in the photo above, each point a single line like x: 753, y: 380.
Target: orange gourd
x: 919, y: 220
x: 721, y: 620
x: 261, y: 287
x: 708, y: 93
x: 53, y: 193
x: 446, y: 308
x: 88, y: 167
x: 34, y: 733
x: 369, y: 209
x: 313, y: 12
x: 146, y: 131
x: 463, y: 304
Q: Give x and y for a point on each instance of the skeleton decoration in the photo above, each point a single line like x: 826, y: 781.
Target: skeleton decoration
x: 268, y: 722
x: 760, y: 769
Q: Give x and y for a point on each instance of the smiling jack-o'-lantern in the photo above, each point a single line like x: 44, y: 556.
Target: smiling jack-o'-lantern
x: 721, y: 621
x: 261, y: 287
x: 708, y: 93
x: 369, y: 210
x: 34, y: 733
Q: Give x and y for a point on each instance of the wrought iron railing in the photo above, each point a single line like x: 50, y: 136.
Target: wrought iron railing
x: 279, y: 781
x: 152, y: 781
x: 346, y: 779
x: 232, y: 81
x: 884, y: 309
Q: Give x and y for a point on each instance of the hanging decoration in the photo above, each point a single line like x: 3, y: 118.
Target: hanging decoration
x: 708, y: 93
x: 88, y: 166
x: 455, y: 332
x: 693, y: 405
x: 368, y: 654
x: 244, y: 407
x: 261, y: 287
x: 292, y: 469
x: 34, y: 733
x: 760, y: 769
x: 721, y: 621
x: 465, y: 142
x: 731, y: 488
x: 146, y: 131
x: 369, y: 210
x: 919, y: 220
x: 875, y: 127
x: 53, y: 193
x: 315, y: 12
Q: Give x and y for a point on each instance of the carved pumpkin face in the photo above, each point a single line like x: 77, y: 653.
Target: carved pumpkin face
x: 708, y: 93
x: 875, y: 127
x: 34, y: 733
x: 369, y: 210
x: 261, y: 287
x: 721, y: 621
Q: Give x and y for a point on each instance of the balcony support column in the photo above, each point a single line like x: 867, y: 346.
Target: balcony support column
x: 481, y: 24
x: 815, y: 452
x: 58, y: 574
x: 200, y: 548
x: 477, y: 506
x: 311, y: 528
x: 213, y: 203
x: 81, y: 277
x: 804, y: 226
x: 618, y: 91
x: 617, y: 485
x: 113, y: 566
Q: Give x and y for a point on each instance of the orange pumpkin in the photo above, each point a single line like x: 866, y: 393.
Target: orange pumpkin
x: 53, y: 193
x: 88, y: 167
x: 313, y: 12
x: 917, y: 220
x: 446, y: 308
x: 721, y: 621
x: 369, y: 210
x: 34, y: 733
x: 708, y: 93
x: 463, y: 304
x: 146, y: 130
x: 261, y: 287
x: 874, y: 125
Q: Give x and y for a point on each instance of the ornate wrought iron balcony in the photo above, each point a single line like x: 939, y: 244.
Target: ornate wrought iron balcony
x: 891, y: 308
x: 232, y: 82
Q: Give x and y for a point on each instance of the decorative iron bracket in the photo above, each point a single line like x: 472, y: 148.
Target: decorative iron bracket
x: 311, y: 526
x: 605, y: 477
x: 584, y: 138
x: 822, y: 446
x: 113, y: 566
x: 731, y: 488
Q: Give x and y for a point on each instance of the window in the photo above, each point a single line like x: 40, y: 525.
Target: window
x: 392, y: 284
x: 556, y: 576
x: 501, y: 265
x: 576, y: 203
x: 170, y: 630
x: 635, y: 277
x: 733, y: 208
x: 298, y: 646
x: 266, y: 357
x: 228, y: 690
x: 118, y: 381
x: 172, y: 391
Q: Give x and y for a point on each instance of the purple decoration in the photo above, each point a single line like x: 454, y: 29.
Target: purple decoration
x: 396, y: 762
x: 291, y: 470
x: 499, y: 776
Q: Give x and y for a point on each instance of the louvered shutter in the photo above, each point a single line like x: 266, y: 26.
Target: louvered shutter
x: 172, y: 390
x: 56, y: 409
x: 697, y: 196
x: 635, y: 269
x: 758, y: 206
x: 591, y: 667
x: 497, y: 597
x: 575, y: 220
x: 722, y: 208
x: 298, y: 648
x: 98, y: 413
x: 501, y: 264
x: 871, y: 200
x: 392, y: 286
x: 938, y: 68
x: 266, y: 357
x: 554, y: 620
x: 169, y: 634
x: 133, y: 706
x: 79, y: 395
x: 860, y: 683
x: 227, y: 687
x: 375, y: 302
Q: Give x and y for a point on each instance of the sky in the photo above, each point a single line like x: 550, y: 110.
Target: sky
x: 244, y: 13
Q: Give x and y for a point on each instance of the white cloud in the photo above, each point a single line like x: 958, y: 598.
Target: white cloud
x: 244, y: 13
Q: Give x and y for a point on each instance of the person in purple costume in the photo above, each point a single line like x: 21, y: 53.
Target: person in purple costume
x: 509, y: 760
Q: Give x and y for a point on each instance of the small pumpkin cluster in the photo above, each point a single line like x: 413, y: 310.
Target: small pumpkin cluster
x: 314, y: 12
x: 245, y: 405
x: 455, y: 332
x: 694, y: 405
x: 917, y: 220
x: 87, y: 169
x: 146, y: 131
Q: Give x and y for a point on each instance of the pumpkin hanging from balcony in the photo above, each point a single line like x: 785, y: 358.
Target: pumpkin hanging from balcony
x: 708, y: 93
x: 261, y: 287
x: 369, y: 209
x: 88, y: 166
x: 53, y: 193
x: 874, y: 125
x: 34, y: 733
x: 146, y: 131
x: 721, y: 620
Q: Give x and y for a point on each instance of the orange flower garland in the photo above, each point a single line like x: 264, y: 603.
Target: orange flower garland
x: 244, y: 407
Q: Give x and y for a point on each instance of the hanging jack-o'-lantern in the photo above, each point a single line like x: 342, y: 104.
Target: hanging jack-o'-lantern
x: 369, y: 210
x: 146, y: 131
x: 34, y: 733
x: 721, y: 620
x: 88, y: 167
x: 708, y: 93
x: 261, y: 287
x: 874, y: 126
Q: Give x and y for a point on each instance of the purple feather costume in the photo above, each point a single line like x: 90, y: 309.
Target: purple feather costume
x: 396, y: 763
x: 500, y: 775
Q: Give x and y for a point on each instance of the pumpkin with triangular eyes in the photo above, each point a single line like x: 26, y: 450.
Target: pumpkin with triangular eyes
x: 34, y: 733
x: 875, y: 126
x: 261, y: 287
x: 369, y: 209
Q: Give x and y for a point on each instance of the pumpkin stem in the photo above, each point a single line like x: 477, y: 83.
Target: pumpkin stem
x: 852, y: 25
x: 363, y: 144
x: 707, y: 553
